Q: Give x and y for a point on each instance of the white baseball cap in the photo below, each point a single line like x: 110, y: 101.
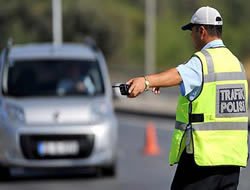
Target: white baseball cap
x: 204, y: 15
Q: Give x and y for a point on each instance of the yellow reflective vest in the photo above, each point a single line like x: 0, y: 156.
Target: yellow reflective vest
x: 218, y: 116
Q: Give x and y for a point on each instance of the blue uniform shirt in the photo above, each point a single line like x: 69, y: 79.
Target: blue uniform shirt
x: 191, y: 73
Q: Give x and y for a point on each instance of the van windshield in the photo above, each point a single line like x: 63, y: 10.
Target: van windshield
x: 53, y: 78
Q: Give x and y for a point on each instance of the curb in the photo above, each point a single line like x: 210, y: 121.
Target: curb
x: 148, y: 104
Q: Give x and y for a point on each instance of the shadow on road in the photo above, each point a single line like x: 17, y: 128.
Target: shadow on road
x: 31, y: 175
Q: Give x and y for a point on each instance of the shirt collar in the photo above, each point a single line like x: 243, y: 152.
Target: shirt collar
x: 213, y: 44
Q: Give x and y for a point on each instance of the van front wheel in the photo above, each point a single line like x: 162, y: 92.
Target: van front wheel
x: 107, y: 171
x: 4, y: 173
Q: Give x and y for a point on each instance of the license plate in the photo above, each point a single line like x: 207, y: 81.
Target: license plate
x: 58, y: 148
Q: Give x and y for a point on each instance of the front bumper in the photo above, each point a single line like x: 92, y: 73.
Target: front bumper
x: 103, y: 152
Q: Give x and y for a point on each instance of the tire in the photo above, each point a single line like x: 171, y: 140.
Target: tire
x: 107, y: 171
x: 4, y: 173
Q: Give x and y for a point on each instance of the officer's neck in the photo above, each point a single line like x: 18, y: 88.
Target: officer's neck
x: 205, y: 41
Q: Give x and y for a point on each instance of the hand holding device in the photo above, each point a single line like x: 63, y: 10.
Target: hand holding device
x: 123, y: 89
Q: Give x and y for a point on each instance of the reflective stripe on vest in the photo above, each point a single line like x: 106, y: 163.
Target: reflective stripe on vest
x: 210, y: 64
x: 180, y: 126
x: 212, y: 77
x: 224, y: 76
x: 213, y: 126
x: 220, y: 126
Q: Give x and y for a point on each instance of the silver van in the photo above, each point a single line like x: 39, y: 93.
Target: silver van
x: 56, y: 109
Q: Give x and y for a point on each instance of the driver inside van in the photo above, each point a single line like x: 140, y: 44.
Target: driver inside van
x: 75, y: 82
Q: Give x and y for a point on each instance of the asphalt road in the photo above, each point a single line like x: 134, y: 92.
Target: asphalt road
x: 136, y: 171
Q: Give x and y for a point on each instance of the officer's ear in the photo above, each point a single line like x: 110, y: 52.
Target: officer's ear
x: 202, y: 31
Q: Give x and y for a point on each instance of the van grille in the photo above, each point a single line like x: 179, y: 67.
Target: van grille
x: 29, y: 145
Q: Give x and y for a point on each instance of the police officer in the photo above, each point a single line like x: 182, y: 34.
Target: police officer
x: 210, y: 138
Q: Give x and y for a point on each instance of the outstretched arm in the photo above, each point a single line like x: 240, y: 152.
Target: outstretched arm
x: 167, y: 78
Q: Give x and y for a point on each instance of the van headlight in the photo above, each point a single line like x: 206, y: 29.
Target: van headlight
x: 99, y: 111
x: 13, y: 113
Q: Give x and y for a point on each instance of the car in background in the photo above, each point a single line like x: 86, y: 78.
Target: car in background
x: 56, y: 108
